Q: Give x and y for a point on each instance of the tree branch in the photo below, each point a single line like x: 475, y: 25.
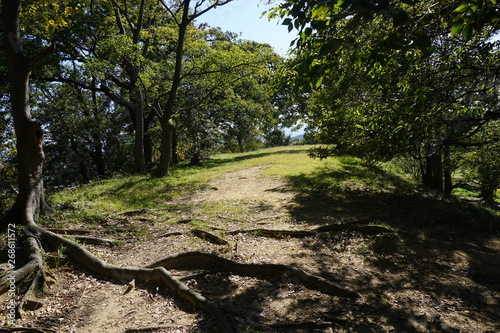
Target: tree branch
x: 47, y: 52
x: 196, y: 14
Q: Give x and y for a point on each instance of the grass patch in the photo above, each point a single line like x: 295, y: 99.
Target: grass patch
x: 101, y: 200
x: 93, y: 202
x: 344, y: 174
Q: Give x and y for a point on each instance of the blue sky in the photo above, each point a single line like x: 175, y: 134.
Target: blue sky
x: 244, y: 16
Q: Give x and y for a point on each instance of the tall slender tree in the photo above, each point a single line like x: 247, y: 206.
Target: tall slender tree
x: 30, y: 201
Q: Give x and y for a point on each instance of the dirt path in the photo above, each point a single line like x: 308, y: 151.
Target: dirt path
x: 409, y: 282
x: 248, y: 184
x: 80, y: 303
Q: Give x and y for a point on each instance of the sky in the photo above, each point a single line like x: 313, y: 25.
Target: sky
x: 244, y: 17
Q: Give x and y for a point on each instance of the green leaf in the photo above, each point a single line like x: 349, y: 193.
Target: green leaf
x: 319, y: 82
x: 456, y: 29
x: 319, y: 13
x: 462, y: 8
x: 467, y: 31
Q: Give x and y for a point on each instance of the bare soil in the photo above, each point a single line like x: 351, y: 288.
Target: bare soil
x: 428, y: 276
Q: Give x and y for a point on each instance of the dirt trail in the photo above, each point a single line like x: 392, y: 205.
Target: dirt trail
x: 86, y: 304
x: 410, y: 282
x: 248, y: 184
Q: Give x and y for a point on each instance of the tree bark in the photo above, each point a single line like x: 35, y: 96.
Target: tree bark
x: 175, y: 143
x: 166, y: 147
x: 98, y: 158
x: 433, y: 176
x: 166, y: 116
x: 148, y: 140
x: 30, y: 201
x: 138, y: 112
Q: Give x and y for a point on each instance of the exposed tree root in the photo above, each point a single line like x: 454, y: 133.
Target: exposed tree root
x: 34, y: 264
x: 26, y: 329
x: 64, y: 231
x: 139, y: 211
x: 275, y: 233
x: 185, y: 221
x: 209, y: 237
x: 152, y: 329
x: 363, y: 229
x: 279, y: 234
x: 147, y: 275
x: 200, y: 259
x: 38, y: 279
x: 305, y: 325
x: 157, y: 273
x: 80, y: 235
x: 168, y: 234
x: 95, y: 240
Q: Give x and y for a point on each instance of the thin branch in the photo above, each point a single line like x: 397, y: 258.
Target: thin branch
x: 124, y: 12
x: 215, y: 5
x: 121, y: 30
x: 139, y: 23
x: 118, y: 82
x: 174, y: 15
x: 47, y: 52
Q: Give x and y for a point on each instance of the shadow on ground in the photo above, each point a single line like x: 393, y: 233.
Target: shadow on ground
x: 439, y: 271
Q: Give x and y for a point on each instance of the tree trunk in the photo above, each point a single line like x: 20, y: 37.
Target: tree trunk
x: 175, y: 143
x: 433, y: 176
x: 166, y: 147
x: 447, y: 171
x: 139, y: 160
x: 148, y: 140
x: 30, y: 201
x: 98, y: 157
x: 241, y: 147
x: 488, y: 194
x: 167, y: 114
x: 80, y: 160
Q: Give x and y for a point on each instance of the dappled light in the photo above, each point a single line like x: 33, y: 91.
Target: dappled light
x: 161, y: 174
x: 386, y: 254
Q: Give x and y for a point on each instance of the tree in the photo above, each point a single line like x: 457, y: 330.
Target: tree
x: 480, y: 161
x: 85, y: 133
x: 277, y: 138
x: 110, y: 50
x: 165, y: 110
x: 323, y: 21
x: 380, y: 97
x: 30, y: 201
x: 222, y: 93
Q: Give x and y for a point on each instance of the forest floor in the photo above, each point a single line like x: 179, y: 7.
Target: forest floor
x: 429, y: 275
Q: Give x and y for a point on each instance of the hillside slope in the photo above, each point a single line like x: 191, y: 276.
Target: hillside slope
x: 421, y: 263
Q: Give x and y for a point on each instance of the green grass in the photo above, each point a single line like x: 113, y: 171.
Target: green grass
x: 93, y: 202
x: 97, y: 201
x: 142, y: 191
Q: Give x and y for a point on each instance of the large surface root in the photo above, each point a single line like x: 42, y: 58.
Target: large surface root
x: 26, y: 329
x: 363, y: 229
x: 33, y: 265
x: 157, y: 272
x: 200, y: 259
x: 157, y: 275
